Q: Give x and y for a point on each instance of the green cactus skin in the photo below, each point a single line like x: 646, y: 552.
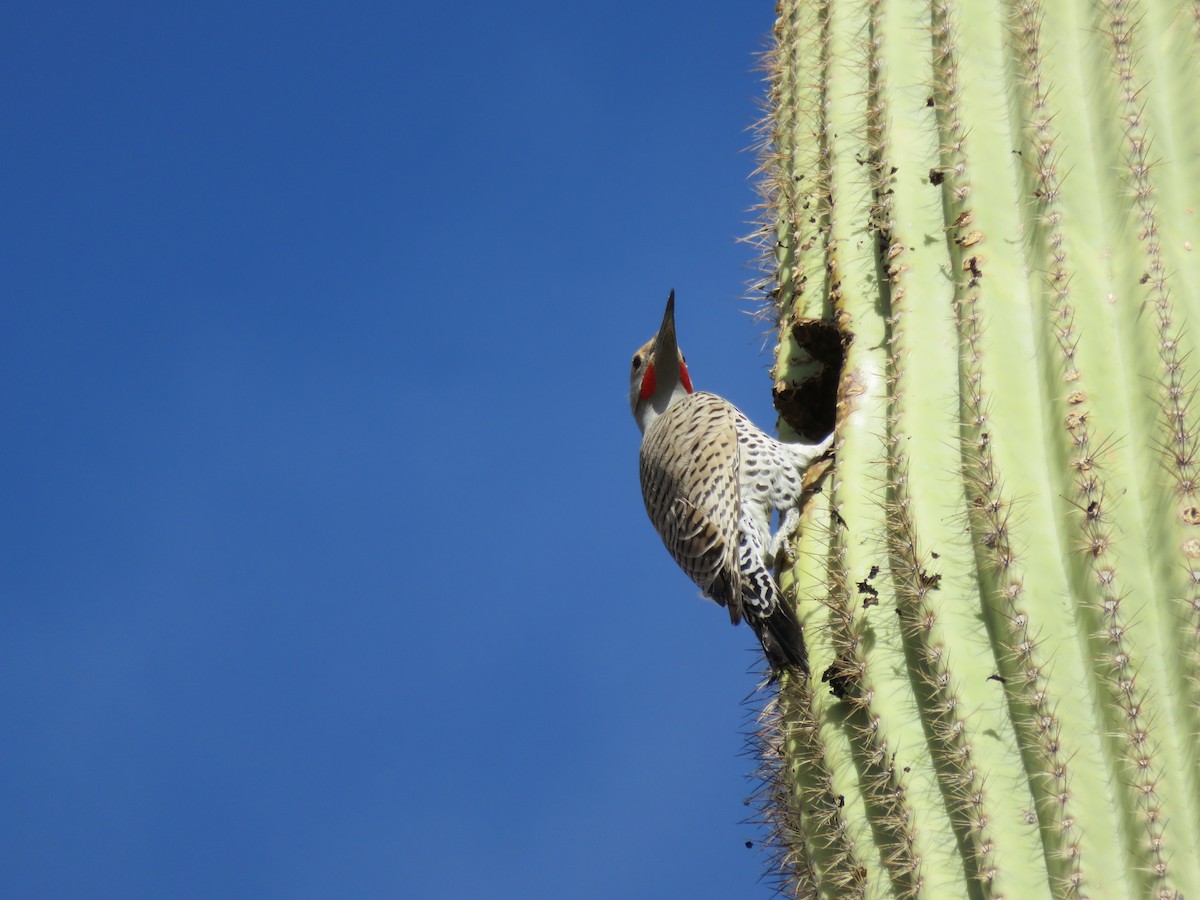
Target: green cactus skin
x: 1000, y: 581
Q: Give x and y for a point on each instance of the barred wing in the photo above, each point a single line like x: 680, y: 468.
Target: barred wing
x: 688, y: 467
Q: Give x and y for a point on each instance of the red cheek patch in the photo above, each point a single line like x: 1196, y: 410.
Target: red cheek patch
x: 648, y: 382
x: 684, y: 377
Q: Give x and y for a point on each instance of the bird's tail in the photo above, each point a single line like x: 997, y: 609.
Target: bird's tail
x: 782, y: 639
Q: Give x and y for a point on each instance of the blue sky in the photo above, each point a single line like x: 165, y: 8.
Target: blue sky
x: 325, y: 569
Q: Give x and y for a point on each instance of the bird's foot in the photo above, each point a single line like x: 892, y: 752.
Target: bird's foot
x: 781, y: 539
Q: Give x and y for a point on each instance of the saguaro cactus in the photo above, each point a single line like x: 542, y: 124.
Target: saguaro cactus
x: 996, y: 204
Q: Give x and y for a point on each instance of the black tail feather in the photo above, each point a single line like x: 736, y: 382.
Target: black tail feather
x: 782, y: 639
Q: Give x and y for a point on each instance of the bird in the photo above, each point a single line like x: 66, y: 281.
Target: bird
x: 710, y: 481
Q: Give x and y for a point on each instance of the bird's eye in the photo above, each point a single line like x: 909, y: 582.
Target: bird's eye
x: 637, y: 361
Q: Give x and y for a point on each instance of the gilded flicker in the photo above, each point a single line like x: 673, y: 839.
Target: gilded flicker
x: 710, y: 480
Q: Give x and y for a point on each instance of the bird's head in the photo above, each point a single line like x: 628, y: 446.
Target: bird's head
x: 659, y: 375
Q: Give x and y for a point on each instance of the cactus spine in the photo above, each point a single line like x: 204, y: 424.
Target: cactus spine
x: 1001, y: 580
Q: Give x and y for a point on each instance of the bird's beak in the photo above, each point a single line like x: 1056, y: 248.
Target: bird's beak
x: 666, y: 349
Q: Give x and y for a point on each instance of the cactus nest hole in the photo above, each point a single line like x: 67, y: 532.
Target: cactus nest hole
x: 809, y: 406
